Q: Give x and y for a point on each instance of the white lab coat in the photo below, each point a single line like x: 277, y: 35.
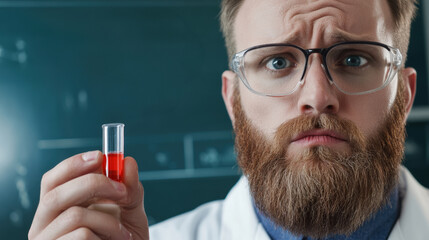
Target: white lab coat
x: 234, y: 218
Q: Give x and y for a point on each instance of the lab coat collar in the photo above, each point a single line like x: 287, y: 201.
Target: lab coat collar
x: 413, y: 222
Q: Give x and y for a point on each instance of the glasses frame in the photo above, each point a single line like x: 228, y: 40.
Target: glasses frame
x: 237, y: 64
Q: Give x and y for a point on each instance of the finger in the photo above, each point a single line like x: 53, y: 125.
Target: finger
x: 68, y: 169
x: 133, y: 215
x: 81, y: 234
x: 81, y: 191
x: 100, y: 224
x: 71, y: 168
x: 133, y: 184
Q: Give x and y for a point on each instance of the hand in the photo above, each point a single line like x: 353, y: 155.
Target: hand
x: 72, y: 186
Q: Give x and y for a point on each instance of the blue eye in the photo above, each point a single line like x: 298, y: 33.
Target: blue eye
x: 278, y: 63
x: 355, y: 61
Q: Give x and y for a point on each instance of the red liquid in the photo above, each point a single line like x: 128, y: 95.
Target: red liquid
x: 113, y: 166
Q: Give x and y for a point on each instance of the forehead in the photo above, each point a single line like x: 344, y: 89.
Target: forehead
x: 312, y: 23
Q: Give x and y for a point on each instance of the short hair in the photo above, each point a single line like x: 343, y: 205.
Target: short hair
x: 403, y: 12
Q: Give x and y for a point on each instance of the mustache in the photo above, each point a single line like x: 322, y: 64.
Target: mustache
x: 330, y: 122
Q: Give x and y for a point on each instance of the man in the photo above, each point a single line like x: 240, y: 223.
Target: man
x: 318, y: 96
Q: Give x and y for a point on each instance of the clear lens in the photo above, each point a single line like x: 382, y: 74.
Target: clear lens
x: 273, y: 70
x: 355, y: 68
x: 359, y: 68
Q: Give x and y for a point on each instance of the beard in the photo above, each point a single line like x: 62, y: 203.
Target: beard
x: 321, y: 192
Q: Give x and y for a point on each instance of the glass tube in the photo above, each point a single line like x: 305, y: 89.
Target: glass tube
x: 113, y: 151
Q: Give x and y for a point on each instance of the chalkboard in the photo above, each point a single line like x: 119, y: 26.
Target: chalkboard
x: 67, y: 67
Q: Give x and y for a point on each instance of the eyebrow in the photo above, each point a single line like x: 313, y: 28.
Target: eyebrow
x: 290, y: 39
x: 340, y: 37
x: 335, y: 37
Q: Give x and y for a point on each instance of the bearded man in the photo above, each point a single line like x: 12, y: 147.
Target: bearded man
x: 318, y: 96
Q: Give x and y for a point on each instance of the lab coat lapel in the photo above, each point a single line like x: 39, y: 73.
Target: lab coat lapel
x: 239, y: 220
x: 413, y: 222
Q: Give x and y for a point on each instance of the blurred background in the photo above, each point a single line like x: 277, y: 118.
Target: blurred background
x: 68, y: 66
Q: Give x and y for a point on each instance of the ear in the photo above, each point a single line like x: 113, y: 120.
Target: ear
x: 409, y: 76
x: 228, y: 78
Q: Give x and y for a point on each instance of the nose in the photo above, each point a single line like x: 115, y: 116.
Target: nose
x: 317, y: 95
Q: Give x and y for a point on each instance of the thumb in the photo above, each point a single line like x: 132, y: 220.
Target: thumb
x: 133, y: 216
x: 134, y: 187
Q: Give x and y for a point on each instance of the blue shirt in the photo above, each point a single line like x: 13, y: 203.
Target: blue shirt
x: 377, y: 227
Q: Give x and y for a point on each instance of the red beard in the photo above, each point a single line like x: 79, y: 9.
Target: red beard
x: 321, y: 192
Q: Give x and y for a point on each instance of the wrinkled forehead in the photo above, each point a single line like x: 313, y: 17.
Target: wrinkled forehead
x: 312, y: 23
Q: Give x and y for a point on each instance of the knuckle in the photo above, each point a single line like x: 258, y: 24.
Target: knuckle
x: 138, y: 198
x: 51, y: 199
x: 50, y: 177
x: 31, y: 234
x: 93, y: 183
x: 84, y: 233
x: 140, y: 189
x: 45, y: 182
x: 74, y: 216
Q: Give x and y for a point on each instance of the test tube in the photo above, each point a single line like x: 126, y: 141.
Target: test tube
x: 113, y: 151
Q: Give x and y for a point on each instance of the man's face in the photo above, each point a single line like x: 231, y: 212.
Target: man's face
x: 314, y: 24
x: 302, y: 151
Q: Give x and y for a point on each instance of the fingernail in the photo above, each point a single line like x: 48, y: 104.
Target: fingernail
x: 90, y: 156
x: 118, y: 186
x: 127, y: 235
